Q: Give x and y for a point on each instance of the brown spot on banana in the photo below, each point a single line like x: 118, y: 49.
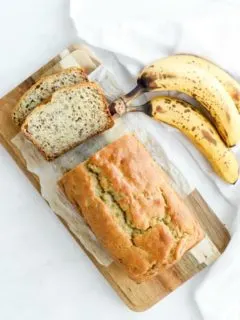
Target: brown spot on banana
x: 236, y: 95
x: 160, y: 109
x: 228, y: 116
x: 167, y: 76
x: 194, y: 96
x: 168, y: 101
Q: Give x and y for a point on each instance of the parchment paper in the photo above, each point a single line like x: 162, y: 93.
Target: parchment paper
x: 50, y: 172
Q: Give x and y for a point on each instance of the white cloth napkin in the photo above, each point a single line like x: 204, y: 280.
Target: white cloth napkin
x: 218, y: 295
x: 139, y: 32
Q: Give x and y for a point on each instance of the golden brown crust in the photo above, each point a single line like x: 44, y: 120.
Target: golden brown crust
x: 40, y: 81
x: 24, y: 127
x: 124, y: 197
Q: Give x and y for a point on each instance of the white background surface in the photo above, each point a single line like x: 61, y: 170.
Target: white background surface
x: 43, y: 273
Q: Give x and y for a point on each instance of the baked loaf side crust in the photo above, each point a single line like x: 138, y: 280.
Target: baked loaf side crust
x: 127, y: 202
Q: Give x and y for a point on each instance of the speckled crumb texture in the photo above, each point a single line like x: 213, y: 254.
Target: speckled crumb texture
x: 124, y: 197
x: 43, y: 89
x: 74, y: 114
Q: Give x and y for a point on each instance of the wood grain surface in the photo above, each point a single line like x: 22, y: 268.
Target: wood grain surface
x: 138, y: 297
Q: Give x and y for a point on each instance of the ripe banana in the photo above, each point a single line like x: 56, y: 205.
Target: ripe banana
x: 173, y: 73
x: 200, y: 131
x: 228, y: 82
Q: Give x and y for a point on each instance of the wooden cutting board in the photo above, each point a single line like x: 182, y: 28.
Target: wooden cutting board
x: 138, y: 297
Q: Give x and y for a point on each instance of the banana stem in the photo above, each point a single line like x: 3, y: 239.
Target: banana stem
x: 122, y: 104
x: 134, y: 93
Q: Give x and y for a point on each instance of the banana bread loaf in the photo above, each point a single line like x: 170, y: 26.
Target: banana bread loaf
x: 126, y: 200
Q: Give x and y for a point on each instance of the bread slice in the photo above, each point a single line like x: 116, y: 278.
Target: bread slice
x: 43, y: 89
x: 73, y: 115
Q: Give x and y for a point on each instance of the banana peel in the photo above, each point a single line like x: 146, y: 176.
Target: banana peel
x: 176, y: 73
x: 200, y: 131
